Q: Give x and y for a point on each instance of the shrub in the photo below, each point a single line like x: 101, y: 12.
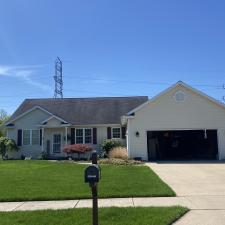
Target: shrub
x: 44, y: 155
x: 77, y: 148
x: 119, y: 162
x: 7, y: 145
x: 109, y: 144
x: 118, y: 152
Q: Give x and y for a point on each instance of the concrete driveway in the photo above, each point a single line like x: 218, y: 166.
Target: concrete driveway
x: 202, y: 184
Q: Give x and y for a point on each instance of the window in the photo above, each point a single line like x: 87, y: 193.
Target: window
x: 88, y: 136
x: 35, y: 137
x: 116, y: 132
x: 79, y: 136
x: 84, y: 136
x: 26, y: 137
x: 30, y: 137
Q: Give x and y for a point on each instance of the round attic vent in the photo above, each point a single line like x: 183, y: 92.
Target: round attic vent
x: 179, y: 96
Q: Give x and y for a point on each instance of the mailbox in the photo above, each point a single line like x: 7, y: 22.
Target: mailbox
x: 92, y: 174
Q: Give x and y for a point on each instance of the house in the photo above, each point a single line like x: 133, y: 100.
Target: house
x: 179, y: 123
x: 47, y: 125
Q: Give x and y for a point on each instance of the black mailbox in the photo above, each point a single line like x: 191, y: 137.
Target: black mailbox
x: 92, y: 174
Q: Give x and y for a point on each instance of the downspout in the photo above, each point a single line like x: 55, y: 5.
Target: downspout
x: 128, y: 139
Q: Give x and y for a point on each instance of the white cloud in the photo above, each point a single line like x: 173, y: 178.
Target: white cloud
x: 25, y: 73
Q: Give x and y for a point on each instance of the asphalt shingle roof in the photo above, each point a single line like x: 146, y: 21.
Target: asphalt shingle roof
x: 85, y: 111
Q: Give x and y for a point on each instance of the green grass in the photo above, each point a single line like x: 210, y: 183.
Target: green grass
x: 43, y: 180
x: 107, y: 216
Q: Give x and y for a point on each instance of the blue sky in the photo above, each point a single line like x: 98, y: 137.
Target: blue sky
x: 110, y: 47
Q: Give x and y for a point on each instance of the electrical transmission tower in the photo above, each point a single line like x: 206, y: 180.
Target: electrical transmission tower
x: 58, y: 79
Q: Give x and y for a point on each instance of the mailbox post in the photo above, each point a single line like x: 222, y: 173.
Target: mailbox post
x: 92, y: 176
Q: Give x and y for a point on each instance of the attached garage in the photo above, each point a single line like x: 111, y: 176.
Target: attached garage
x: 181, y: 123
x: 182, y: 145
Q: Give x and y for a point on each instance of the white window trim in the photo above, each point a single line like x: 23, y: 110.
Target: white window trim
x: 31, y: 131
x: 112, y: 132
x: 37, y: 138
x: 23, y: 137
x: 79, y: 136
x: 86, y: 128
x: 88, y: 136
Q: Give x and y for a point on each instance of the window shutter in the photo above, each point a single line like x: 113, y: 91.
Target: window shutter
x: 94, y: 135
x: 40, y: 136
x: 72, y: 134
x: 109, y: 135
x: 123, y: 132
x: 19, y: 137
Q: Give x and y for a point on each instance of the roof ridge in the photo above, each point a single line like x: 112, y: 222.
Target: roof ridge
x: 141, y: 96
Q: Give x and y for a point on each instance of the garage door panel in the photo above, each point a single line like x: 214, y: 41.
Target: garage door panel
x: 182, y: 144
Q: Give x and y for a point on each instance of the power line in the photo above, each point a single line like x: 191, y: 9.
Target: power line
x: 88, y: 78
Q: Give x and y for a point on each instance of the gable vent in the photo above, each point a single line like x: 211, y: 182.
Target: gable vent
x: 179, y: 96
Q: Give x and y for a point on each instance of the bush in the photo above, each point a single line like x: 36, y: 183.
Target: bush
x: 109, y: 144
x: 119, y: 162
x: 44, y: 155
x: 118, y: 153
x: 77, y: 148
x: 7, y: 145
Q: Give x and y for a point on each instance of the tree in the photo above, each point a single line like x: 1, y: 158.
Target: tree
x: 7, y: 145
x: 4, y: 116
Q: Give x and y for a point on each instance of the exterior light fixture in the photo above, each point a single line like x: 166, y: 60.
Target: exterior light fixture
x: 205, y: 134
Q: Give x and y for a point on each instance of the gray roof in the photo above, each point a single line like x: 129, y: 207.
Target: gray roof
x: 82, y: 111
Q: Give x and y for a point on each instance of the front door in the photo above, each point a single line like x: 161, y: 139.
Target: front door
x: 56, y: 143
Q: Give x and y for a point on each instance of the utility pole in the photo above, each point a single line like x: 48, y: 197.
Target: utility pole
x: 224, y: 89
x: 58, y: 79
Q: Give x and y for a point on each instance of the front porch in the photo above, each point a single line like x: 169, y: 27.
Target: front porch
x: 53, y: 140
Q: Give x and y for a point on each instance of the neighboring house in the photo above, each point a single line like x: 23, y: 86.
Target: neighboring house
x: 179, y: 123
x: 47, y: 125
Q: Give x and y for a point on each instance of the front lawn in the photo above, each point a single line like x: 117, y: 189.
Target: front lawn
x: 44, y: 180
x: 107, y: 216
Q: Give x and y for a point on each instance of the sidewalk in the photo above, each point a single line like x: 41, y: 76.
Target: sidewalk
x: 191, y: 202
x: 113, y: 202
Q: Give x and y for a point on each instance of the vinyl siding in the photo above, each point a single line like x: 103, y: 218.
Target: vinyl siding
x: 28, y: 121
x: 34, y: 118
x: 196, y: 112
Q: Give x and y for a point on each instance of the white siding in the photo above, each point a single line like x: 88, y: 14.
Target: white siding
x: 34, y: 118
x: 196, y: 112
x: 54, y: 123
